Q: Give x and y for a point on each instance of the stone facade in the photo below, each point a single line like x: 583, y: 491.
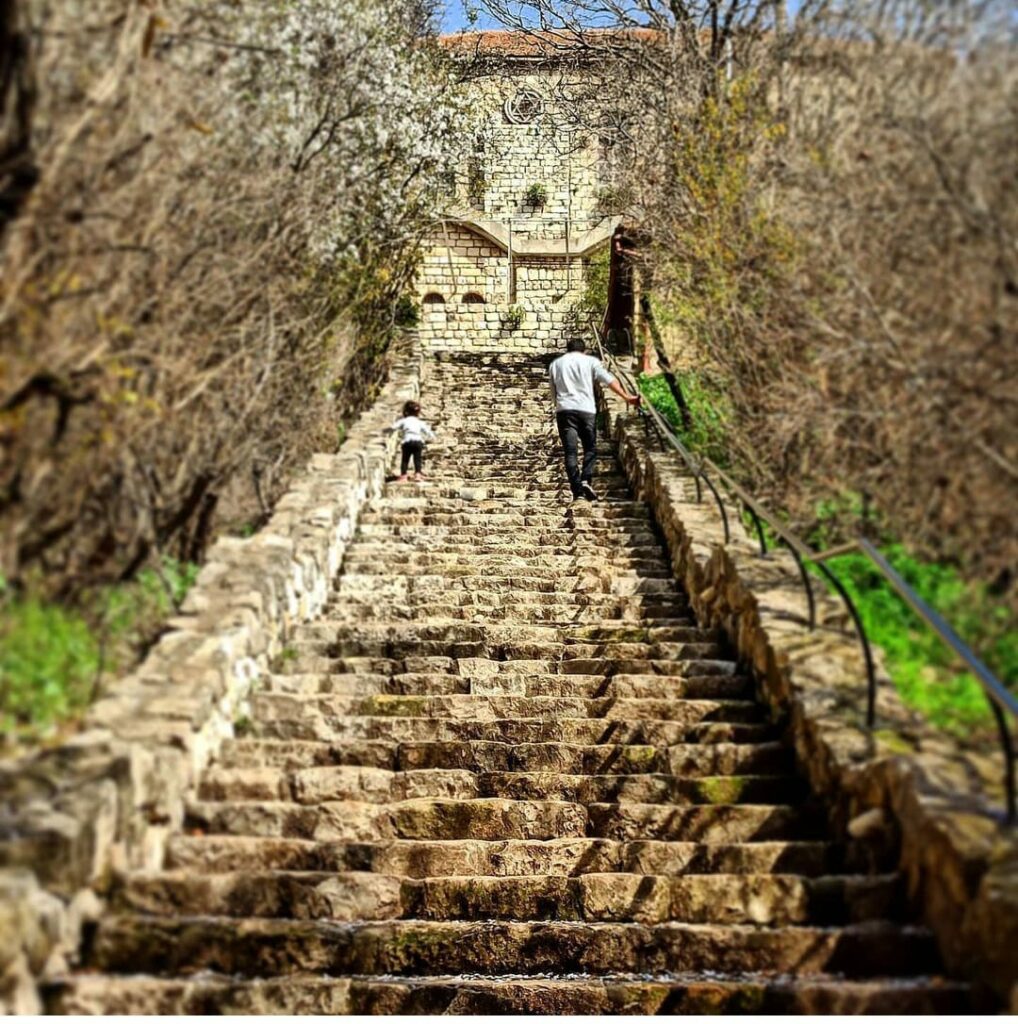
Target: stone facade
x: 492, y: 242
x: 510, y: 157
x: 463, y: 267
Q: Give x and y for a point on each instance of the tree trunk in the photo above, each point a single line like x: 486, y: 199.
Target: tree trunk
x: 18, y: 173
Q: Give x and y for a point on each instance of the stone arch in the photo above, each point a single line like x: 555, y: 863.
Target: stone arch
x: 473, y: 299
x: 433, y: 299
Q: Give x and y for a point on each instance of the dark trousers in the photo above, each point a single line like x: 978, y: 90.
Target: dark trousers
x: 578, y: 428
x: 411, y: 450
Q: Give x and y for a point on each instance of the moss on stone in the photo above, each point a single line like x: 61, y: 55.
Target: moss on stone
x: 396, y: 705
x: 893, y: 741
x: 721, y: 789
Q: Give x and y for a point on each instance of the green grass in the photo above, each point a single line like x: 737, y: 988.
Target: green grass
x: 53, y: 657
x: 708, y: 411
x: 925, y: 671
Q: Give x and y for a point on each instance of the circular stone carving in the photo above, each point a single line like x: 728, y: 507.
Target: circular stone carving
x: 523, y: 108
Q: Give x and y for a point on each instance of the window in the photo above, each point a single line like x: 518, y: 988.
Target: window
x: 433, y: 299
x: 473, y: 299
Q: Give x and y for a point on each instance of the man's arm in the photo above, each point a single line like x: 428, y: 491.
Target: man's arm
x: 623, y: 393
x: 602, y: 376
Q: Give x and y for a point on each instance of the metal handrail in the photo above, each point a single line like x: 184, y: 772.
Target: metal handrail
x: 1000, y: 699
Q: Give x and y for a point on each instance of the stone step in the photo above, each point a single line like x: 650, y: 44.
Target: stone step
x: 379, y: 785
x: 451, y: 486
x: 469, y: 667
x: 358, y: 821
x: 391, y: 591
x: 251, y: 947
x: 430, y: 533
x: 604, y: 659
x: 481, y: 708
x: 573, y: 519
x: 711, y: 727
x: 621, y: 553
x: 588, y: 641
x: 294, y: 662
x: 412, y: 858
x: 355, y: 611
x: 492, y: 497
x: 647, y: 899
x: 664, y: 994
x: 428, y: 563
x: 690, y: 760
x: 418, y: 508
x: 586, y: 589
x: 704, y: 687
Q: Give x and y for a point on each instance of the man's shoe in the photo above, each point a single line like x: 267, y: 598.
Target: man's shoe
x: 588, y: 492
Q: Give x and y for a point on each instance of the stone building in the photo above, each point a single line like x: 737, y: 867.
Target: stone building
x: 524, y: 216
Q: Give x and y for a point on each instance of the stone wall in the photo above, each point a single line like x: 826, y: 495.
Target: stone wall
x: 511, y: 157
x: 902, y: 786
x: 108, y: 799
x: 461, y: 263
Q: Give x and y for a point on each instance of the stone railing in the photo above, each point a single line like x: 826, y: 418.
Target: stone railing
x: 107, y: 800
x: 900, y: 787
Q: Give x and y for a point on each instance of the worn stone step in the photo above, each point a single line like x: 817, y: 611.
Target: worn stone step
x: 611, y: 995
x: 471, y: 707
x: 294, y: 662
x: 495, y: 613
x: 587, y: 586
x: 378, y: 785
x: 614, y: 659
x: 427, y: 533
x: 491, y: 818
x: 253, y: 947
x: 553, y: 566
x: 479, y: 498
x: 581, y: 640
x: 394, y: 589
x: 695, y: 759
x: 703, y: 687
x: 387, y: 550
x: 707, y: 722
x: 412, y: 858
x: 614, y: 897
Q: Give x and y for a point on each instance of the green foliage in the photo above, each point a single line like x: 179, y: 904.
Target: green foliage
x: 730, y: 257
x: 512, y: 318
x: 406, y: 313
x: 49, y: 660
x: 708, y: 408
x: 925, y: 671
x: 536, y: 195
x: 52, y: 657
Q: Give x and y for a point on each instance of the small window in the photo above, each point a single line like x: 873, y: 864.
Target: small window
x: 433, y: 299
x: 473, y: 299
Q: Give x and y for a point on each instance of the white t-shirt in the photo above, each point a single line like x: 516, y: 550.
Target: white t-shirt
x: 572, y: 381
x: 413, y: 429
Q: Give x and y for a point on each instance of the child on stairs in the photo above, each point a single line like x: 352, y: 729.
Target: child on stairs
x: 415, y: 432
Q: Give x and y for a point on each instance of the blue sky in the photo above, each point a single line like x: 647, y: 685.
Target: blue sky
x: 456, y: 17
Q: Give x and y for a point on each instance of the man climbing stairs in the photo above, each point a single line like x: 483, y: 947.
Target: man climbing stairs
x: 507, y: 772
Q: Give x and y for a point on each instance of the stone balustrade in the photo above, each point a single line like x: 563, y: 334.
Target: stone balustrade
x: 106, y: 800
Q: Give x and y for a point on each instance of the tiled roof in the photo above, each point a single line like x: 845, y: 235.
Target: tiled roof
x: 495, y: 43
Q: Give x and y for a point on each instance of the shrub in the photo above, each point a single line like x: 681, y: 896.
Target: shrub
x: 536, y: 195
x: 512, y: 318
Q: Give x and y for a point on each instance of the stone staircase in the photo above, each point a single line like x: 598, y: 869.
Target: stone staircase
x: 507, y: 772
